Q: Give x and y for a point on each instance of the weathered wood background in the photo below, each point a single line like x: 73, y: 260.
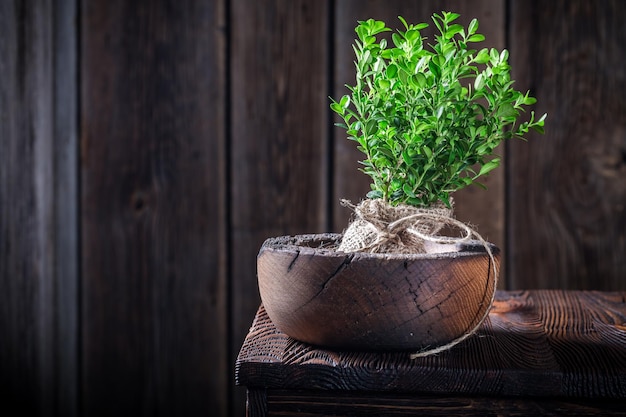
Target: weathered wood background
x: 147, y: 149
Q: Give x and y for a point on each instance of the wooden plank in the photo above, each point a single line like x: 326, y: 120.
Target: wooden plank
x: 567, y: 218
x: 66, y: 174
x: 279, y: 145
x: 153, y: 209
x: 256, y: 402
x: 28, y: 348
x: 534, y: 344
x: 483, y: 209
x: 299, y: 403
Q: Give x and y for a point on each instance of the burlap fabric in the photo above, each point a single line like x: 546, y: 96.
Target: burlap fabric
x: 378, y: 227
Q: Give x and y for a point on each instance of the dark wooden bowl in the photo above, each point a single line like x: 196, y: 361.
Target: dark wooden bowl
x: 365, y: 301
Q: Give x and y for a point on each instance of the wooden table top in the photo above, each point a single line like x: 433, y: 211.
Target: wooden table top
x: 544, y: 343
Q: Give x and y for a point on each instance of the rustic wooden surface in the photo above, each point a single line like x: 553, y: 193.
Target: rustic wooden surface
x: 38, y: 304
x: 536, y: 344
x: 567, y: 193
x: 179, y: 105
x: 298, y: 403
x: 66, y: 208
x: 375, y: 301
x: 279, y: 77
x: 153, y: 207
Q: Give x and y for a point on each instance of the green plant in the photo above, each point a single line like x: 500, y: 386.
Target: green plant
x: 428, y: 117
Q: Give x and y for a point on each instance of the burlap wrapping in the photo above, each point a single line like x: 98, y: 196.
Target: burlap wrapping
x: 378, y: 227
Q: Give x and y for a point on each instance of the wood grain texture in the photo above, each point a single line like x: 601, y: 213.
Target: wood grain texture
x: 373, y: 301
x: 66, y: 206
x: 567, y: 218
x: 484, y: 209
x: 279, y: 145
x: 256, y: 403
x: 29, y: 339
x: 298, y: 403
x: 536, y: 344
x: 153, y: 208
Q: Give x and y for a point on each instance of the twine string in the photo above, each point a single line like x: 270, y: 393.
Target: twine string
x: 492, y: 261
x: 391, y: 233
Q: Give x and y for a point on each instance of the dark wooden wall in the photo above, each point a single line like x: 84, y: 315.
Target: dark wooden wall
x: 148, y: 148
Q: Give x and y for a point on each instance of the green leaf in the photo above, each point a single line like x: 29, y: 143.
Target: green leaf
x: 361, y: 31
x: 506, y: 110
x: 336, y: 108
x: 529, y: 100
x: 439, y: 112
x: 421, y: 79
x: 489, y: 166
x: 417, y: 81
x: 407, y: 159
x: 476, y: 38
x: 422, y: 63
x: 450, y: 17
x: 378, y: 27
x: 482, y: 57
x: 374, y: 194
x: 379, y: 64
x: 473, y: 27
x: 406, y: 26
x: 412, y: 34
x: 397, y: 40
x: 494, y: 55
x: 366, y: 57
x: 542, y: 119
x: 386, y: 53
x: 392, y: 71
x: 408, y: 190
x: 345, y: 101
x: 479, y: 82
x: 437, y: 21
x: 384, y: 84
x: 453, y: 30
x: 434, y: 68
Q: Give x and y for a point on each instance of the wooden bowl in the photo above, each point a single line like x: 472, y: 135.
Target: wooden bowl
x: 365, y: 301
